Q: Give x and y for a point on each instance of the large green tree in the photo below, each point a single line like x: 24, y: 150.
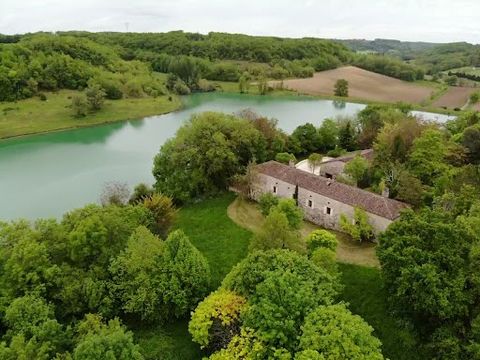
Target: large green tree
x: 99, y: 340
x: 335, y: 333
x: 428, y: 262
x: 135, y: 276
x: 205, y: 153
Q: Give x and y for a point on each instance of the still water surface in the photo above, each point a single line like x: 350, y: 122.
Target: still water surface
x: 47, y: 175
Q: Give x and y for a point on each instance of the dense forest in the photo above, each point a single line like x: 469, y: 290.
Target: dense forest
x: 405, y: 50
x: 449, y: 56
x: 125, y: 64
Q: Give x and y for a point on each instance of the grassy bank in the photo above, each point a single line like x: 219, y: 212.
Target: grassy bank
x: 33, y: 116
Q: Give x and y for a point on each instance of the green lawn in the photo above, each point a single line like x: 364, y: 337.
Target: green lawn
x: 168, y: 342
x: 224, y: 244
x: 32, y: 115
x: 213, y: 233
x: 363, y: 290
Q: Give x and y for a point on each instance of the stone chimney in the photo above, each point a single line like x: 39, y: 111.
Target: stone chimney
x: 386, y: 192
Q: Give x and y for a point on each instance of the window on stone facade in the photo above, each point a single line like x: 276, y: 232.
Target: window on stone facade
x: 310, y: 203
x: 328, y: 210
x: 274, y: 189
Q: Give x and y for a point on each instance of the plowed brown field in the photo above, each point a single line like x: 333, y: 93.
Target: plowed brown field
x: 455, y: 97
x: 363, y: 84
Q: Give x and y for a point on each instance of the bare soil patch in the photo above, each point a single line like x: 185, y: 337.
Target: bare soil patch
x: 247, y: 215
x: 455, y: 97
x: 363, y: 84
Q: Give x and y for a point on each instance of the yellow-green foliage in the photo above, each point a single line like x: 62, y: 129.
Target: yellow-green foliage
x: 223, y: 306
x: 321, y: 239
x: 360, y: 228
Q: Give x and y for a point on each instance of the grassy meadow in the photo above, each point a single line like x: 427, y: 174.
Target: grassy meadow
x: 32, y: 115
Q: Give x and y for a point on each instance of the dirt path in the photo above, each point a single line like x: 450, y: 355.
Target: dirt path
x: 363, y: 84
x: 247, y: 215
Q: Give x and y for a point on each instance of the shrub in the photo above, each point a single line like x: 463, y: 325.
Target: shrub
x: 140, y: 192
x: 293, y: 213
x: 360, y: 230
x: 95, y: 96
x: 321, y: 239
x: 277, y: 233
x: 185, y: 276
x: 206, y: 86
x: 133, y: 89
x: 135, y: 276
x: 79, y: 105
x: 338, y: 151
x: 216, y: 319
x: 163, y: 210
x: 341, y: 88
x: 98, y: 340
x: 338, y: 334
x: 115, y: 193
x: 256, y: 267
x: 266, y: 202
x: 325, y: 259
x: 180, y: 88
x: 285, y: 158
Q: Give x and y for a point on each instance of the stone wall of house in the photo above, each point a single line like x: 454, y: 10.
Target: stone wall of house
x: 267, y: 183
x: 318, y: 212
x: 326, y: 212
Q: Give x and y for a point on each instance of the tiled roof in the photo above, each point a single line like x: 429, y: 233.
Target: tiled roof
x: 367, y: 154
x: 353, y: 196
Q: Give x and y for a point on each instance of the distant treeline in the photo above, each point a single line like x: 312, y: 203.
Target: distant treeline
x: 449, y: 56
x: 218, y: 46
x: 122, y: 63
x: 464, y: 75
x: 389, y: 66
x: 405, y: 50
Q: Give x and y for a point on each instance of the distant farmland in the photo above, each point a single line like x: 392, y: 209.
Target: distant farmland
x: 455, y: 97
x: 363, y: 84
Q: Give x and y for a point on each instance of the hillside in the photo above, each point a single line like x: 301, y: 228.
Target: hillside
x: 403, y: 49
x: 363, y: 84
x: 449, y: 56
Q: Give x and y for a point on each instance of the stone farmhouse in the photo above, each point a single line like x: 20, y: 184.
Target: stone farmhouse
x: 323, y: 199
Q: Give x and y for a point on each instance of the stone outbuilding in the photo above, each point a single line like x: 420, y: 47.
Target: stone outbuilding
x: 322, y: 199
x: 334, y: 167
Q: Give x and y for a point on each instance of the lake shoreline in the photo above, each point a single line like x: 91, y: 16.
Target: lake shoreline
x: 276, y: 93
x: 57, y: 117
x: 46, y: 132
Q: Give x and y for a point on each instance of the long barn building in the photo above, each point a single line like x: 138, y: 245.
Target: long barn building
x: 323, y: 200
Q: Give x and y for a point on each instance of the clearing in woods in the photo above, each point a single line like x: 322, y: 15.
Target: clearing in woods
x: 363, y: 84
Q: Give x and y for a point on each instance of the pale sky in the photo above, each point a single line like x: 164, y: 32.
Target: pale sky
x: 419, y: 20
